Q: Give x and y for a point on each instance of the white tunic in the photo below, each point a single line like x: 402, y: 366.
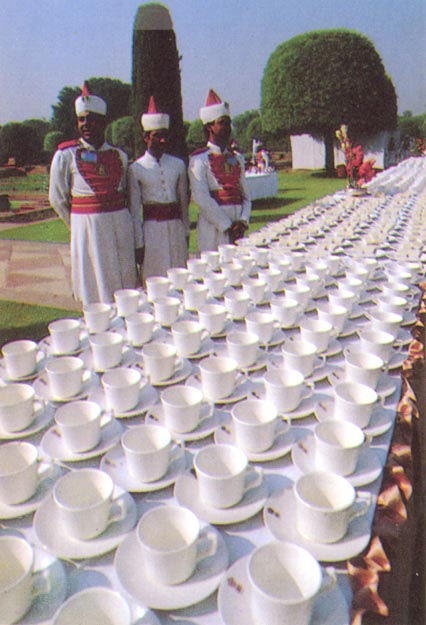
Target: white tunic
x: 214, y: 219
x: 161, y: 182
x: 102, y: 244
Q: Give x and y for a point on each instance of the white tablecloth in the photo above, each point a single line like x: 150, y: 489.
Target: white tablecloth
x: 262, y: 185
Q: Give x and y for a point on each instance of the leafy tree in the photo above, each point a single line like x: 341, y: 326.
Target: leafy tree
x: 156, y: 71
x: 40, y: 127
x: 19, y: 141
x: 241, y: 125
x: 195, y: 137
x: 113, y: 91
x: 52, y: 140
x: 411, y: 125
x: 317, y: 81
x: 122, y: 134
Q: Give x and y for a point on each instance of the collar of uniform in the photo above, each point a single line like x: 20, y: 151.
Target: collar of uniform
x: 216, y: 149
x: 149, y: 157
x: 89, y: 147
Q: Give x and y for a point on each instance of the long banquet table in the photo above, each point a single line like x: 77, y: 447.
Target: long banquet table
x: 376, y: 560
x: 262, y: 185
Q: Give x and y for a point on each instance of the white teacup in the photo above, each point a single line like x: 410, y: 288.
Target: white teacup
x: 173, y: 543
x: 188, y: 336
x: 237, y: 303
x: 316, y: 331
x: 178, y: 277
x: 285, y: 580
x: 286, y: 388
x: 160, y: 361
x: 219, y: 377
x: 313, y: 281
x: 106, y: 350
x: 224, y: 475
x: 20, y: 472
x: 351, y: 283
x: 354, y: 402
x: 212, y: 258
x: 363, y: 367
x: 122, y: 386
x: 127, y: 301
x: 216, y: 284
x: 17, y: 403
x: 85, y: 504
x: 343, y: 297
x: 97, y: 317
x: 99, y: 605
x: 140, y: 327
x: 243, y: 347
x: 257, y: 425
x: 338, y: 445
x: 300, y: 355
x: 197, y: 267
x: 156, y: 286
x: 19, y: 584
x: 334, y: 314
x: 182, y: 407
x: 227, y: 252
x: 233, y: 272
x: 385, y: 321
x: 377, y: 342
x: 65, y: 376
x: 262, y: 324
x: 325, y: 505
x: 285, y: 310
x: 149, y: 450
x: 213, y: 317
x: 392, y: 303
x: 300, y: 292
x: 79, y: 425
x: 166, y: 310
x: 20, y: 358
x: 255, y: 288
x: 194, y: 295
x: 396, y: 288
x: 65, y: 335
x: 272, y: 278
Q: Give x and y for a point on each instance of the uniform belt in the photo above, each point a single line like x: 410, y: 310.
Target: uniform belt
x: 224, y: 197
x: 97, y: 204
x: 161, y: 212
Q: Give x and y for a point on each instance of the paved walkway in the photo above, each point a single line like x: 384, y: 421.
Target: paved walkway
x: 36, y: 273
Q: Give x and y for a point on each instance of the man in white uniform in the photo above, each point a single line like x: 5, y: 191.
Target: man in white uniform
x: 88, y: 191
x: 217, y: 178
x: 158, y: 185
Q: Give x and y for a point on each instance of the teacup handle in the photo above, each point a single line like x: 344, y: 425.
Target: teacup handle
x: 308, y: 390
x: 283, y: 424
x: 205, y: 334
x: 41, y: 583
x: 178, y: 365
x: 254, y: 478
x: 209, y: 413
x: 362, y: 504
x: 118, y: 510
x: 322, y: 363
x: 241, y: 376
x: 329, y: 579
x: 176, y: 451
x: 44, y: 472
x: 206, y: 544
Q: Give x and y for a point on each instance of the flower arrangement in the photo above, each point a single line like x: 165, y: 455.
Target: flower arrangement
x: 419, y: 147
x: 358, y: 171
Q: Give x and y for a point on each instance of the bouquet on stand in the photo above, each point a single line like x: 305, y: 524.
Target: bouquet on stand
x: 358, y: 171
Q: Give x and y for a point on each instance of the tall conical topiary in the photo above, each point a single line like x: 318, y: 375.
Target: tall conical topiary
x: 155, y: 71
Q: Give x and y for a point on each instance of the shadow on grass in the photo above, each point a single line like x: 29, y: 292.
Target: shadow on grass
x: 33, y: 331
x: 273, y: 203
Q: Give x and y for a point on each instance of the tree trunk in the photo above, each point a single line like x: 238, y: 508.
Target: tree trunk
x: 329, y: 152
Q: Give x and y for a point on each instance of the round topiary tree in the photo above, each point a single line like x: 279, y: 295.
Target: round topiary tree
x: 156, y: 71
x: 122, y: 134
x: 317, y: 81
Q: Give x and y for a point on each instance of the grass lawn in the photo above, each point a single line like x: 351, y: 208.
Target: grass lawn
x: 23, y: 321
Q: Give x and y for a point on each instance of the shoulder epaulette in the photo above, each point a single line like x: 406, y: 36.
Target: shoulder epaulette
x: 199, y: 151
x: 68, y: 144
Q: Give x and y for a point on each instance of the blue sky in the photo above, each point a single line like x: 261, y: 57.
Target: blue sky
x: 48, y: 44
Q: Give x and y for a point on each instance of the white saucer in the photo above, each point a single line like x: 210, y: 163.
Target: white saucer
x: 53, y: 445
x: 397, y: 360
x: 409, y: 319
x: 181, y: 374
x: 278, y: 337
x: 333, y: 348
x: 51, y: 534
x: 26, y: 378
x: 205, y: 349
x: 45, y: 605
x: 320, y: 372
x: 42, y: 389
x: 187, y: 495
x: 27, y: 507
x: 382, y: 419
x: 279, y: 515
x: 229, y: 327
x: 349, y: 328
x: 261, y: 360
x: 46, y: 345
x: 356, y: 312
x: 386, y: 385
x: 148, y: 395
x: 43, y: 416
x: 206, y: 427
x: 148, y: 592
x: 114, y: 463
x: 241, y: 391
x: 283, y: 443
x: 128, y: 357
x: 330, y: 608
x: 368, y: 468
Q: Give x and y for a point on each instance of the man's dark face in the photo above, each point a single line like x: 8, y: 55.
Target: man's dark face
x: 91, y: 128
x: 156, y: 142
x: 220, y: 129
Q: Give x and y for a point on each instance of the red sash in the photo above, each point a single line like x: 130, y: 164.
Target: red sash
x: 161, y: 212
x: 103, y: 172
x: 226, y: 169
